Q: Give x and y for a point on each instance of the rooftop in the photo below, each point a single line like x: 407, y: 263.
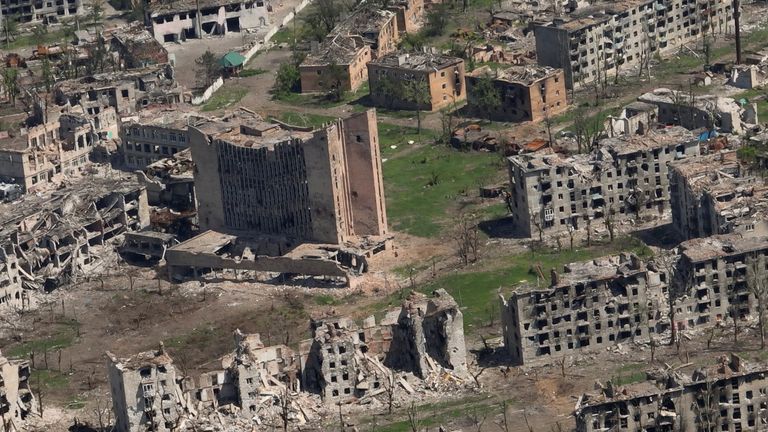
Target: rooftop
x: 525, y: 75
x: 364, y: 21
x: 654, y: 139
x: 136, y: 38
x: 419, y: 61
x: 597, y: 13
x: 111, y: 79
x: 161, y: 7
x: 340, y: 49
x: 705, y: 249
x: 143, y: 359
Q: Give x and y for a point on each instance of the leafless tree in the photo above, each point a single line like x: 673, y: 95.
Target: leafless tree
x: 390, y: 387
x: 478, y: 419
x: 466, y: 237
x: 103, y: 413
x: 589, y: 231
x: 413, y: 418
x: 707, y: 407
x: 608, y: 220
x: 538, y: 224
x: 571, y: 234
x: 504, y: 426
x: 285, y: 408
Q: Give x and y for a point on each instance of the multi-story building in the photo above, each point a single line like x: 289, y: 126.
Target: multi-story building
x: 624, y: 176
x: 174, y: 21
x: 590, y: 306
x: 729, y: 397
x: 339, y: 61
x: 525, y: 93
x: 45, y: 11
x: 136, y: 48
x: 440, y: 79
x: 38, y: 155
x: 377, y: 27
x: 712, y: 195
x: 326, y: 188
x: 605, y: 38
x: 16, y: 398
x: 410, y: 14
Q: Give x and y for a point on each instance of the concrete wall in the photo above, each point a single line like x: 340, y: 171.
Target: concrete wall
x: 519, y: 102
x: 355, y: 74
x: 142, y: 145
x: 210, y: 207
x: 445, y: 86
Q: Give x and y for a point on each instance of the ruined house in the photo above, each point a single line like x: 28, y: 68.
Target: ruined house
x: 155, y: 134
x: 526, y: 93
x: 35, y: 156
x: 590, y: 306
x: 135, y: 48
x: 170, y: 182
x: 338, y: 61
x: 637, y: 118
x: 729, y: 397
x: 623, y: 176
x: 16, y: 398
x: 608, y: 37
x: 712, y: 194
x: 146, y: 392
x: 377, y: 27
x: 747, y: 76
x: 125, y: 91
x: 62, y: 234
x: 176, y: 21
x: 710, y: 112
x: 440, y: 77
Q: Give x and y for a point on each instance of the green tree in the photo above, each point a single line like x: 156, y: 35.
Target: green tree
x: 486, y: 97
x: 47, y: 74
x: 288, y: 79
x: 417, y: 91
x: 437, y: 20
x: 412, y: 41
x: 11, y: 83
x: 322, y: 18
x: 207, y: 68
x: 333, y: 82
x: 96, y: 12
x: 11, y: 28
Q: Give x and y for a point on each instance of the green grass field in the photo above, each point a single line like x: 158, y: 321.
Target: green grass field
x: 64, y: 336
x: 226, y: 96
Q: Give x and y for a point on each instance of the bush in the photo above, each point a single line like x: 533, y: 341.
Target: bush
x: 288, y: 79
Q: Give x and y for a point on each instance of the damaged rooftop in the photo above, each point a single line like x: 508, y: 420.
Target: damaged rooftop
x: 705, y: 249
x: 525, y: 75
x: 418, y: 61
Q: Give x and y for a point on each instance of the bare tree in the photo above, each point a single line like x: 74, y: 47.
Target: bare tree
x: 538, y: 224
x: 466, y: 237
x: 608, y: 220
x: 285, y: 408
x: 390, y: 388
x: 571, y: 234
x: 413, y: 418
x: 707, y: 408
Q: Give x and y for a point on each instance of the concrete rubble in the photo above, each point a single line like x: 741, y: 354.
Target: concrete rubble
x: 414, y: 351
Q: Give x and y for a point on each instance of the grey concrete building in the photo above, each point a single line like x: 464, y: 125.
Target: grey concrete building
x: 713, y: 194
x: 175, y: 21
x: 625, y: 175
x: 12, y: 295
x: 608, y: 37
x: 590, y: 306
x: 43, y: 11
x: 730, y: 396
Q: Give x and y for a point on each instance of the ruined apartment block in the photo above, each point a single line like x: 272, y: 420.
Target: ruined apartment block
x: 342, y: 362
x: 527, y: 93
x: 712, y: 194
x: 126, y: 91
x: 146, y: 392
x: 347, y: 54
x: 135, y: 47
x: 441, y: 78
x: 60, y: 235
x: 409, y: 13
x: 175, y: 21
x: 16, y: 398
x: 715, y: 279
x: 377, y: 27
x: 12, y: 295
x: 733, y: 397
x: 37, y: 155
x: 625, y: 176
x: 45, y: 11
x: 592, y: 305
x: 152, y: 135
x: 606, y: 38
x: 170, y: 182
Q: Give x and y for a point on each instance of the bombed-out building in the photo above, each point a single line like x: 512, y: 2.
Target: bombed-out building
x: 731, y: 396
x: 377, y: 27
x: 46, y: 12
x: 440, y: 77
x: 337, y: 62
x: 713, y: 194
x: 625, y: 175
x: 608, y: 37
x: 526, y: 93
x: 135, y: 47
x: 175, y: 21
x: 16, y: 397
x: 637, y: 118
x: 409, y: 14
x: 590, y: 306
x: 170, y: 182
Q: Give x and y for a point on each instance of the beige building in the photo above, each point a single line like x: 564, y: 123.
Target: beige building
x: 16, y: 398
x: 40, y: 154
x: 441, y: 79
x: 525, y: 93
x: 377, y: 27
x: 349, y: 54
x: 410, y: 14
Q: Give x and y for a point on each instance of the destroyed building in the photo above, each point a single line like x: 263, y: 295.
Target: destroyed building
x: 713, y: 194
x: 747, y: 76
x: 176, y: 21
x: 304, y: 203
x: 729, y: 397
x: 716, y: 278
x: 624, y: 176
x: 637, y: 118
x: 125, y: 91
x: 607, y: 37
x: 34, y: 156
x: 146, y: 392
x: 409, y: 14
x: 16, y: 398
x: 170, y: 182
x: 136, y: 48
x: 416, y: 344
x: 526, y: 93
x: 377, y: 27
x: 348, y: 53
x: 47, y: 12
x: 155, y: 134
x: 590, y: 306
x: 440, y: 77
x: 62, y: 234
x: 710, y: 112
x: 12, y: 295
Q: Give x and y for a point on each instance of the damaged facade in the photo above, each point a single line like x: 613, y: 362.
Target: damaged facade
x: 342, y: 363
x: 136, y: 48
x: 176, y: 21
x: 731, y: 396
x: 636, y: 118
x: 16, y: 398
x: 590, y: 306
x: 527, y: 93
x: 604, y: 38
x: 713, y: 194
x: 348, y: 54
x: 625, y: 175
x: 170, y: 182
x: 441, y: 78
x: 37, y: 11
